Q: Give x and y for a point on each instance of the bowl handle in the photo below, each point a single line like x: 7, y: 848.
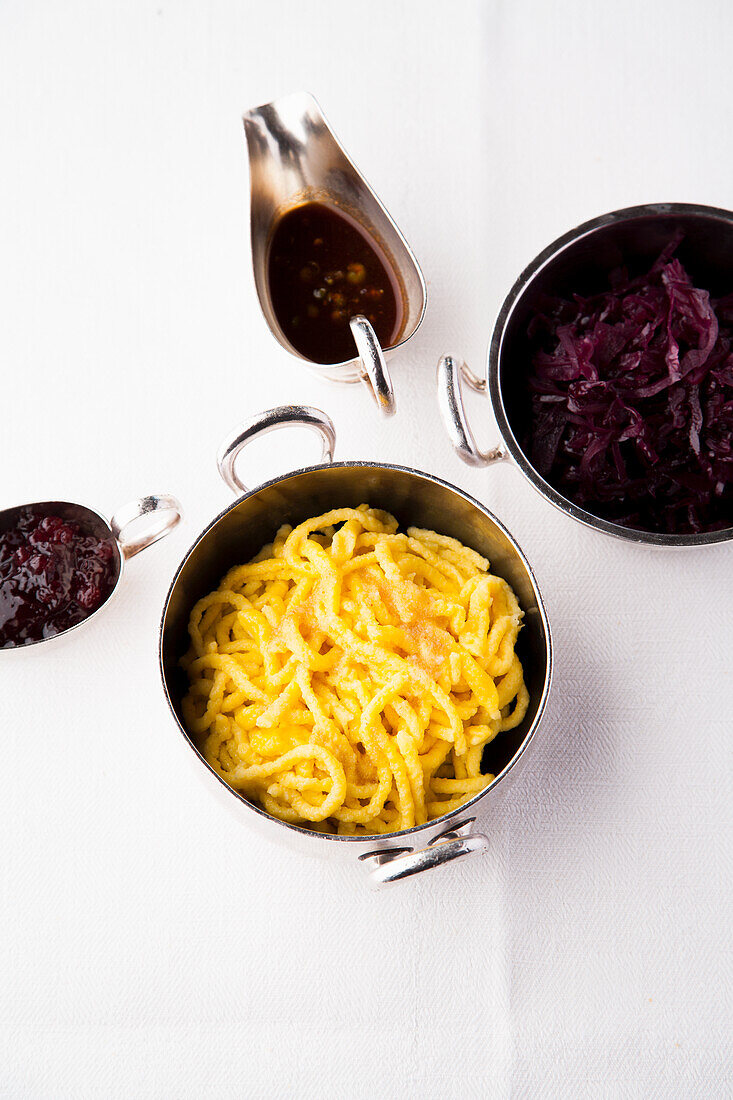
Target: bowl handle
x: 268, y: 421
x: 161, y: 514
x: 453, y: 412
x: 374, y: 370
x: 393, y: 865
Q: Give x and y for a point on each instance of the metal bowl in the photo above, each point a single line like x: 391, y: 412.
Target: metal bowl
x: 581, y: 260
x: 241, y: 530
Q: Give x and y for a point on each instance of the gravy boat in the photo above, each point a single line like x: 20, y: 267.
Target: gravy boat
x: 132, y: 528
x: 295, y: 158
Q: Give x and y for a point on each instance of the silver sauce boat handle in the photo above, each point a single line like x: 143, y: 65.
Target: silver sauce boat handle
x: 304, y: 416
x: 374, y: 371
x: 143, y: 521
x: 453, y: 411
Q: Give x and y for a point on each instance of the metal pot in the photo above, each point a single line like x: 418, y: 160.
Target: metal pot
x: 582, y: 259
x: 414, y: 497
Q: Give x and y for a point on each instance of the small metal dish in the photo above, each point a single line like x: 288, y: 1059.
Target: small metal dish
x: 581, y: 260
x: 131, y: 529
x: 294, y: 158
x: 414, y: 497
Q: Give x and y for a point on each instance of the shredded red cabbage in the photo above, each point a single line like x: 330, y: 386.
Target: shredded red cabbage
x: 632, y: 401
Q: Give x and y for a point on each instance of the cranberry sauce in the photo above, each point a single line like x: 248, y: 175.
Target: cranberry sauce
x: 323, y: 270
x: 53, y: 574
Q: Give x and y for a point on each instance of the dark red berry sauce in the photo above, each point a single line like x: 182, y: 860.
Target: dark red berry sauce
x: 53, y: 574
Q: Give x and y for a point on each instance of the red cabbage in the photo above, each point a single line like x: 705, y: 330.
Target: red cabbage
x: 632, y: 400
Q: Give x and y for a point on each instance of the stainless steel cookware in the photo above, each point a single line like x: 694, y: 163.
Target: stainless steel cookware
x: 414, y: 497
x: 295, y: 158
x: 581, y: 261
x: 132, y: 528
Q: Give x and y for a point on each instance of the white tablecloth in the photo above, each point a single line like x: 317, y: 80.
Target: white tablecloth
x: 151, y: 944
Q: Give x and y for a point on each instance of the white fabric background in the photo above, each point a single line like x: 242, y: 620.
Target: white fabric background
x: 151, y: 944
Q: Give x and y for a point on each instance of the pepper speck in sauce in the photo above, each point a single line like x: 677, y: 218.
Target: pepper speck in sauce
x: 323, y: 270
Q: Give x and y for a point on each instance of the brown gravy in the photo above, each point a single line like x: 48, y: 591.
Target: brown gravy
x: 323, y: 269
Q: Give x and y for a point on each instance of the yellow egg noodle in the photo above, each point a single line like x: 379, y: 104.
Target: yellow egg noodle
x: 349, y: 677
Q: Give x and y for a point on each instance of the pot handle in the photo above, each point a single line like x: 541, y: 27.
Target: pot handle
x: 396, y: 864
x: 374, y: 370
x: 268, y: 421
x: 453, y: 411
x: 161, y: 512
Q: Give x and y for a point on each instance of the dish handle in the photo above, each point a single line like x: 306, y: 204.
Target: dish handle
x: 373, y: 367
x: 150, y: 517
x: 304, y: 416
x: 394, y: 864
x: 453, y: 411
